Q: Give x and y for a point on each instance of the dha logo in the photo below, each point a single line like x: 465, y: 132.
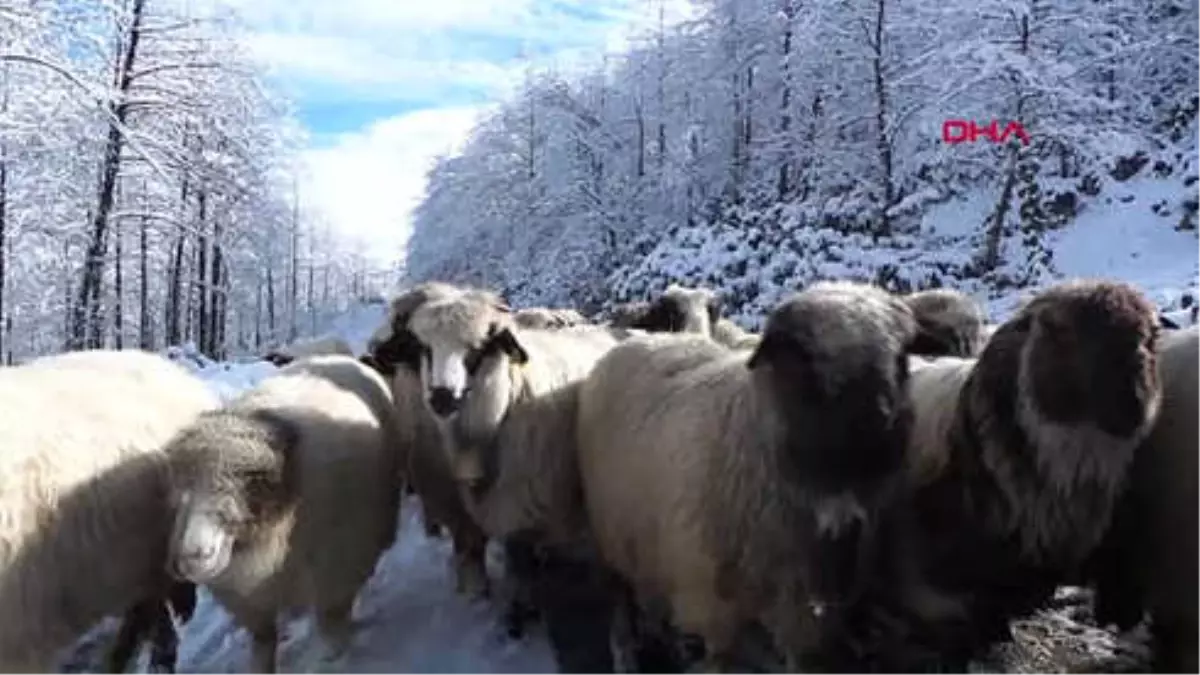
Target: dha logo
x: 966, y: 131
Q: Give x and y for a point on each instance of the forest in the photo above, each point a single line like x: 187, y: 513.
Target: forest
x: 763, y: 143
x: 150, y: 187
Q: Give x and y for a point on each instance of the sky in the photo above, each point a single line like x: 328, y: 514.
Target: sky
x: 384, y: 86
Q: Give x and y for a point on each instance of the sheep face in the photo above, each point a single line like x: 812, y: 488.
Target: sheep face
x: 469, y: 346
x: 226, y: 487
x: 394, y: 344
x: 838, y: 351
x: 1089, y: 359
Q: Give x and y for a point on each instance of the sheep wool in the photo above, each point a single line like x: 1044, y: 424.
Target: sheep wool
x: 288, y: 497
x: 83, y: 518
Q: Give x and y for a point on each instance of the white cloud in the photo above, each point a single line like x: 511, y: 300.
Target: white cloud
x: 440, y: 53
x: 367, y: 182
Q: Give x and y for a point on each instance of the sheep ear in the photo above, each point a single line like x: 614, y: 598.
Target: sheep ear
x: 369, y: 360
x: 714, y: 309
x: 507, y: 342
x: 401, y: 349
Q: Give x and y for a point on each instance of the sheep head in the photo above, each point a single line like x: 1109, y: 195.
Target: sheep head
x: 949, y: 323
x: 229, y: 479
x: 469, y: 343
x: 836, y: 358
x: 681, y: 310
x: 1078, y: 360
x: 393, y: 344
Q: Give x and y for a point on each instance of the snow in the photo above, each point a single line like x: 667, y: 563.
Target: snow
x: 411, y: 618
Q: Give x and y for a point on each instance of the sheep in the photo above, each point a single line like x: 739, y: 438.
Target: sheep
x: 1016, y: 457
x: 503, y: 399
x: 950, y: 323
x: 684, y: 310
x: 327, y: 345
x: 542, y: 317
x: 83, y: 518
x: 721, y: 481
x: 678, y: 309
x: 392, y: 351
x: 287, y: 497
x: 1148, y: 559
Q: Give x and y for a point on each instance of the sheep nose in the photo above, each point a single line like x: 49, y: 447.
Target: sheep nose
x: 443, y: 401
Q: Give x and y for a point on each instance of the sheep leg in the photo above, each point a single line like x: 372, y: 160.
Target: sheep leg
x: 164, y: 643
x: 521, y: 568
x: 263, y: 636
x: 471, y: 579
x: 134, y: 625
x: 336, y: 628
x: 716, y: 622
x: 578, y: 608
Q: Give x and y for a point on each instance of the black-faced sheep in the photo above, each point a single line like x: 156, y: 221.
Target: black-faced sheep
x: 504, y: 400
x: 545, y: 318
x: 1149, y: 557
x: 720, y: 480
x: 287, y: 497
x: 394, y: 352
x: 85, y: 520
x: 949, y: 323
x: 316, y: 347
x: 1017, y: 456
x: 678, y: 309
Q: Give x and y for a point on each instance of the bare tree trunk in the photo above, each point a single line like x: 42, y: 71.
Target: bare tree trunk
x: 216, y: 319
x: 5, y: 312
x: 144, y: 339
x: 86, y: 308
x: 258, y: 314
x: 175, y: 293
x: 783, y: 186
x: 995, y: 229
x: 883, y: 140
x: 203, y: 323
x: 271, y: 336
x: 294, y: 285
x: 312, y: 304
x: 118, y: 289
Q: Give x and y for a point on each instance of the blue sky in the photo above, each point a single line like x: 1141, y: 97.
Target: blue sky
x: 383, y: 86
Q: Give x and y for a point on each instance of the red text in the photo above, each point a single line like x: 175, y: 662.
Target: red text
x: 967, y: 131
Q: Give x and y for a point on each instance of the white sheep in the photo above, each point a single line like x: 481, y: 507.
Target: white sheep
x: 314, y: 347
x: 391, y: 351
x: 503, y: 398
x: 1017, y: 457
x: 83, y: 518
x: 287, y: 497
x: 718, y: 480
x: 544, y: 318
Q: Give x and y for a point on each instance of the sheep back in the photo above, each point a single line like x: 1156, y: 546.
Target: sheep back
x: 83, y: 518
x: 314, y: 347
